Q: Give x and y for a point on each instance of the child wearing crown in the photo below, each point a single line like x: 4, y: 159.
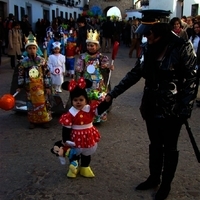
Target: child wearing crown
x: 79, y: 136
x: 34, y: 77
x: 94, y: 66
x: 56, y: 64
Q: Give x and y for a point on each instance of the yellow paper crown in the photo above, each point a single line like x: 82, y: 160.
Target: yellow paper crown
x: 30, y: 40
x: 93, y: 36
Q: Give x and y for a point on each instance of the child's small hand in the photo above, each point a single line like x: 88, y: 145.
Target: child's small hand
x: 70, y: 143
x: 18, y: 89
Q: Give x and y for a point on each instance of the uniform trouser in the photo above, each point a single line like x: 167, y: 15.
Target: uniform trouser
x: 163, y: 154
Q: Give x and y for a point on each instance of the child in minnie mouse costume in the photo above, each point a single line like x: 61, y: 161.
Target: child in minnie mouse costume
x: 78, y: 131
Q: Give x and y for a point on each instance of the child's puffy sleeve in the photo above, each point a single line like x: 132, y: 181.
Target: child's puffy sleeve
x: 66, y: 120
x: 98, y: 107
x: 93, y: 107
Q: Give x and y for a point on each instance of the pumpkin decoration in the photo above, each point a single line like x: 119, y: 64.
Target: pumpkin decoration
x: 7, y: 101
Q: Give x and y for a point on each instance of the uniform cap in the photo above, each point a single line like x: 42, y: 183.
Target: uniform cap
x: 150, y: 17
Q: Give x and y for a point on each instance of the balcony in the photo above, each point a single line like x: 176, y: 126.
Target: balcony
x: 69, y: 3
x: 144, y: 2
x: 50, y: 2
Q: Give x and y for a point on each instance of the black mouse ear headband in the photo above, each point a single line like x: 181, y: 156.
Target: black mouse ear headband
x: 80, y: 83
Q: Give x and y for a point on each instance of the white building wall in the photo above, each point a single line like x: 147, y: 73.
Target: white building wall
x: 187, y: 7
x: 164, y: 5
x: 174, y: 6
x: 37, y: 10
x: 38, y: 7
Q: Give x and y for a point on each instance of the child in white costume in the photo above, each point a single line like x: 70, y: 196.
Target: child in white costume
x: 56, y: 64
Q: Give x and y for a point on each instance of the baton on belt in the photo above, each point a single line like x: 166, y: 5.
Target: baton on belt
x: 192, y: 140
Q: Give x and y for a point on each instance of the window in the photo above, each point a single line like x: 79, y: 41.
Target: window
x: 16, y: 12
x: 66, y: 15
x: 22, y: 11
x: 75, y: 15
x: 61, y: 14
x: 144, y: 2
x: 194, y: 10
x: 53, y: 14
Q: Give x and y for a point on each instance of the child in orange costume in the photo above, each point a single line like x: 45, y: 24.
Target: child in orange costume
x: 70, y: 56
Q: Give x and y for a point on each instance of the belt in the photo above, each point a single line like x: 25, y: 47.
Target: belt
x: 79, y: 127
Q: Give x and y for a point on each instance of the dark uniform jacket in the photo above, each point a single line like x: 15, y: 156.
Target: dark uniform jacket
x: 170, y: 84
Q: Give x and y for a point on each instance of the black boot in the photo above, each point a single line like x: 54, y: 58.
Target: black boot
x: 155, y: 166
x: 170, y: 164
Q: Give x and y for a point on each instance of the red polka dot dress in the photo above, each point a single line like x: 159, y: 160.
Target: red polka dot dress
x: 84, y: 134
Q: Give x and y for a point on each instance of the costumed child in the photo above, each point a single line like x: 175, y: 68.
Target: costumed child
x: 34, y: 77
x: 44, y: 45
x: 70, y: 56
x: 94, y: 66
x: 79, y: 136
x: 56, y: 64
x: 56, y: 38
x: 39, y: 51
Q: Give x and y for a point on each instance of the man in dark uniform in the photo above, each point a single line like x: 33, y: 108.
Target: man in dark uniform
x: 168, y: 65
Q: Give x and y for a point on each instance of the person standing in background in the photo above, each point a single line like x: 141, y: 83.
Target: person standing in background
x: 83, y: 26
x: 195, y: 39
x: 38, y: 29
x: 8, y: 26
x: 14, y: 43
x: 190, y: 22
x: 26, y: 26
x: 177, y: 28
x: 107, y: 33
x: 135, y: 38
x: 2, y: 38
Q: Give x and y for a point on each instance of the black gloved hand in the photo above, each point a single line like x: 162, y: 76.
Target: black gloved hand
x: 103, y: 106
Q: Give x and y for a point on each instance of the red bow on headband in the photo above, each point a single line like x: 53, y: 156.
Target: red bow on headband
x: 80, y: 83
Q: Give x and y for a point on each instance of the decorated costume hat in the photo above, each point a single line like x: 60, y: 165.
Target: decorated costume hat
x: 93, y: 36
x: 56, y: 45
x: 77, y: 88
x: 31, y: 40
